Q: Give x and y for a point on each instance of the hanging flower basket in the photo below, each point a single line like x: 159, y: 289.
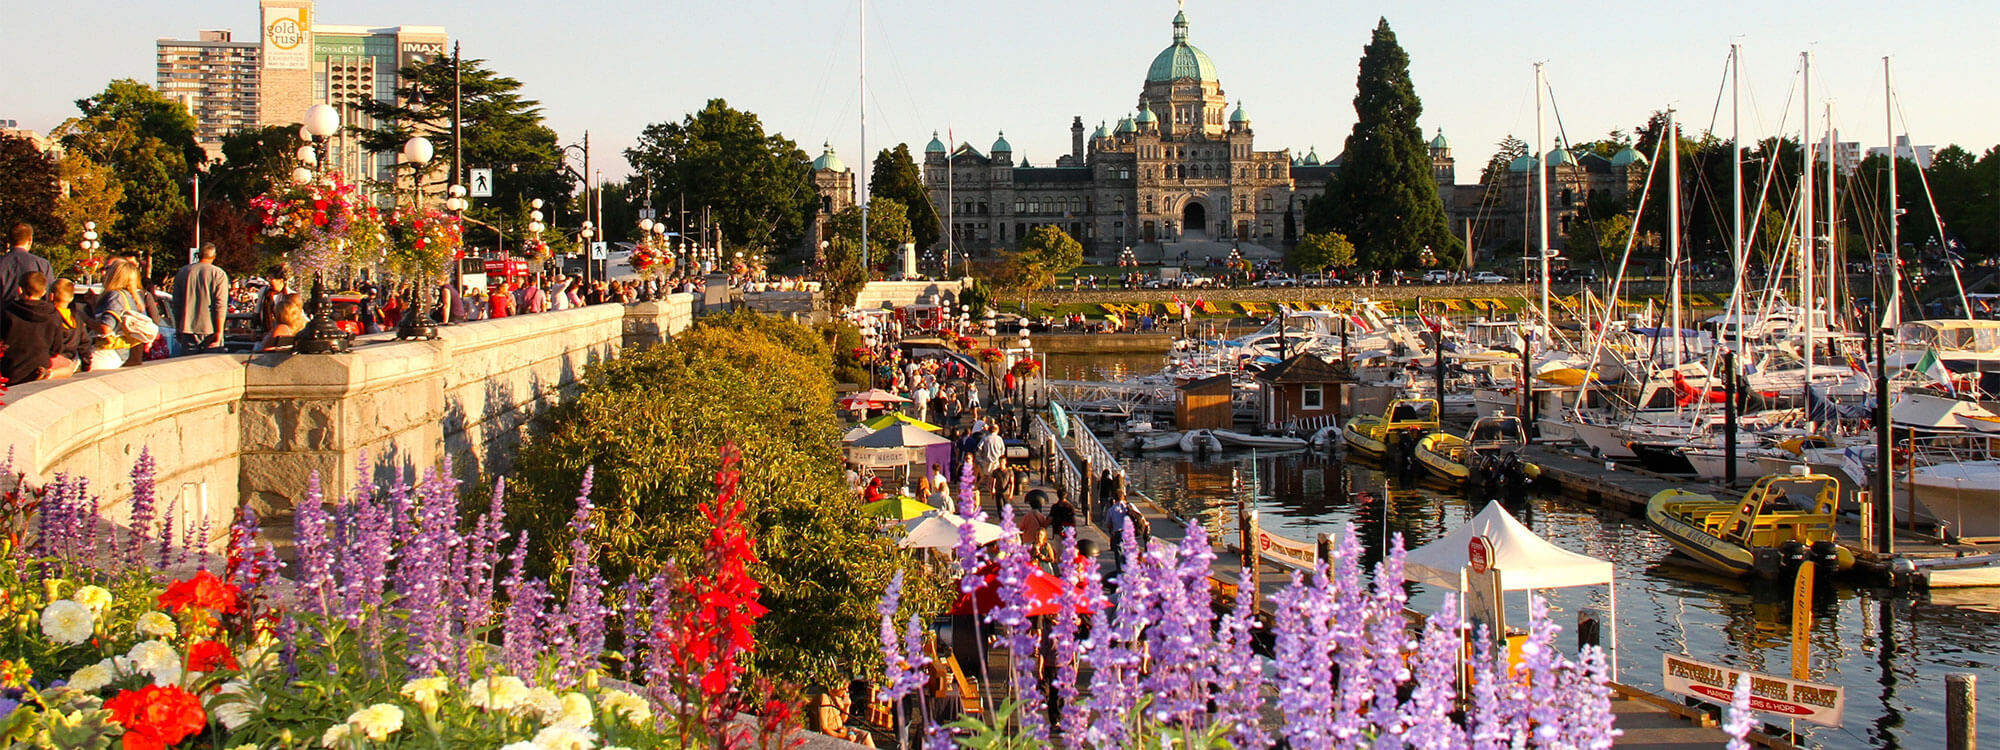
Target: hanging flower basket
x: 990, y: 355
x: 1025, y: 367
x: 321, y: 228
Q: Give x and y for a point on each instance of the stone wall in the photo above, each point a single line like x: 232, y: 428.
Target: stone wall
x: 904, y: 293
x: 254, y: 428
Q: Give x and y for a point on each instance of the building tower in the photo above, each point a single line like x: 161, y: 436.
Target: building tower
x: 834, y: 183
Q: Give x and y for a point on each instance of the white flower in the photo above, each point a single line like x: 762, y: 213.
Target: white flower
x: 97, y: 598
x: 155, y: 624
x: 620, y: 703
x: 565, y: 738
x: 257, y: 658
x: 233, y: 704
x: 541, y: 703
x: 522, y: 745
x: 575, y: 711
x: 424, y: 692
x: 498, y: 693
x: 158, y: 659
x: 335, y: 736
x: 92, y: 678
x: 377, y: 721
x: 67, y: 622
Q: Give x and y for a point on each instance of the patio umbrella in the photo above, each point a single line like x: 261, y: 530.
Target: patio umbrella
x: 897, y: 508
x: 873, y: 398
x: 891, y: 419
x: 901, y: 436
x: 1043, y: 591
x: 939, y: 530
x: 859, y: 432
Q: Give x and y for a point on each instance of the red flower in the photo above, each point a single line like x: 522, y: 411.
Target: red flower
x: 207, y: 656
x: 202, y: 591
x: 157, y: 717
x: 319, y: 218
x: 319, y: 204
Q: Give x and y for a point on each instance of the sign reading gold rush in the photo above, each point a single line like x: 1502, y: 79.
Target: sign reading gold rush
x: 287, y: 38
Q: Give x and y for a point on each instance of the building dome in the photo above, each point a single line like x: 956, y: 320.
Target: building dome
x: 1001, y: 145
x: 1146, y: 117
x: 1522, y: 163
x: 936, y: 147
x: 1181, y: 60
x: 1561, y: 156
x: 829, y: 162
x: 1100, y: 132
x: 1239, y: 115
x: 1439, y: 143
x: 1312, y: 157
x: 1124, y: 126
x: 1628, y: 157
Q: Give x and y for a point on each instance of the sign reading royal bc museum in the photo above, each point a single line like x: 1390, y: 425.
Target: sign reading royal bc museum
x: 1777, y: 696
x: 285, y: 46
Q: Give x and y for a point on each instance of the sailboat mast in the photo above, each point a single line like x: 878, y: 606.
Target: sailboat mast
x: 1673, y: 137
x: 1736, y: 191
x: 1834, y: 261
x: 866, y: 274
x: 1542, y: 193
x: 950, y: 205
x: 1806, y: 219
x: 1894, y: 315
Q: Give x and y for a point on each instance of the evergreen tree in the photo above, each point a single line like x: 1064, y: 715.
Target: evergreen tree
x: 1384, y: 197
x: 758, y: 186
x: 896, y: 176
x: 28, y: 188
x: 1504, y: 154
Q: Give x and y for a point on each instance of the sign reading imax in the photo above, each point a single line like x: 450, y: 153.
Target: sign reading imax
x: 1777, y: 696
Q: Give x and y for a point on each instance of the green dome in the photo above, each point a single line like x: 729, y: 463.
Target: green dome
x: 1146, y: 117
x: 1181, y: 60
x: 828, y: 162
x: 1312, y: 157
x: 1439, y: 143
x: 1100, y: 132
x: 1124, y: 126
x: 1000, y: 145
x: 936, y: 147
x: 1628, y: 157
x: 1561, y: 156
x: 1522, y: 163
x: 1239, y: 115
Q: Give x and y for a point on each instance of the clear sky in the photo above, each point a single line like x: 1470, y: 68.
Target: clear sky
x: 1028, y: 66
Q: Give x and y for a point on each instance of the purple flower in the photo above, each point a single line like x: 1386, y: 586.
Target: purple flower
x: 1239, y: 674
x: 1426, y: 718
x: 1740, y: 720
x: 1083, y: 588
x: 1023, y: 637
x: 1303, y: 622
x: 143, y: 495
x: 903, y: 661
x: 584, y: 612
x: 315, y: 555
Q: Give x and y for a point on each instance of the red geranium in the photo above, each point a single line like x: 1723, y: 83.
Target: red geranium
x: 157, y: 717
x: 202, y: 591
x: 208, y: 656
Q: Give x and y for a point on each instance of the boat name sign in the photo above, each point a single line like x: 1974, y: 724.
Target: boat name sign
x: 1286, y: 551
x: 1770, y: 694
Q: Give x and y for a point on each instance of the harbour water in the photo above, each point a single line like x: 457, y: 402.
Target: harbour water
x: 1889, y: 651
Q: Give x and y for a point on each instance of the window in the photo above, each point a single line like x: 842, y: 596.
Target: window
x: 1034, y: 207
x: 1567, y: 197
x: 1149, y: 204
x: 1242, y: 204
x: 1263, y: 172
x: 1267, y: 227
x: 1020, y: 206
x: 1119, y: 204
x: 1312, y: 397
x: 982, y: 207
x: 1267, y: 201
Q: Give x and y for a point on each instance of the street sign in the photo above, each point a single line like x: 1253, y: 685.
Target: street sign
x: 1791, y: 699
x: 1479, y: 554
x: 600, y: 251
x: 480, y: 184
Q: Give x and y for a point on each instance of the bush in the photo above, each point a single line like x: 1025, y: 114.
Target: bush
x: 648, y: 422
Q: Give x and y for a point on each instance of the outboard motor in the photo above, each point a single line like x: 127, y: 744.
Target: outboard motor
x: 1791, y: 554
x: 1516, y: 477
x: 1408, y: 464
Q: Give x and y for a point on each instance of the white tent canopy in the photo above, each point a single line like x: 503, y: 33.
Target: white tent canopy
x: 1526, y: 561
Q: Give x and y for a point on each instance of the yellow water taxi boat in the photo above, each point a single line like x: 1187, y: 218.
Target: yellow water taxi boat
x: 1783, y: 520
x: 1372, y: 435
x: 1453, y: 458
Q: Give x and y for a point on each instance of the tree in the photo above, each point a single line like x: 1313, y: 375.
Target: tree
x: 1504, y: 154
x: 896, y: 176
x: 758, y: 186
x: 841, y: 272
x: 94, y: 195
x: 253, y: 159
x: 501, y: 129
x: 1602, y: 238
x: 1968, y: 196
x: 148, y: 143
x: 29, y: 188
x: 1384, y: 198
x: 1319, y: 251
x: 1048, y: 252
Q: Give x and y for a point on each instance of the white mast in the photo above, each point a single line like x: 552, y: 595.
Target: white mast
x: 866, y: 274
x: 950, y: 205
x: 1834, y: 261
x: 1737, y: 249
x: 1674, y: 229
x: 1894, y: 315
x: 1806, y: 219
x: 1542, y: 194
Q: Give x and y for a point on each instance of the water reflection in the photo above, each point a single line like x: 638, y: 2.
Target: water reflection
x: 1890, y: 652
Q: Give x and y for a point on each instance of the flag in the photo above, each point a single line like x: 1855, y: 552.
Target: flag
x: 1850, y: 462
x: 1932, y: 366
x: 1855, y: 365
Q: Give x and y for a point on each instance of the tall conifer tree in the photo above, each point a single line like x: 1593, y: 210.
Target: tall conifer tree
x: 1384, y: 197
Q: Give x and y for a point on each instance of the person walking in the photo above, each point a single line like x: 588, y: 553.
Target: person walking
x: 18, y: 262
x: 201, y: 302
x: 33, y: 337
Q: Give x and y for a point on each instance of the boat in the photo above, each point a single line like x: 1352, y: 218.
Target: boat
x: 1454, y: 459
x: 1962, y: 572
x: 1246, y: 440
x: 1962, y: 495
x: 1200, y: 442
x: 1160, y: 441
x: 1783, y: 520
x: 1324, y: 437
x: 1372, y: 435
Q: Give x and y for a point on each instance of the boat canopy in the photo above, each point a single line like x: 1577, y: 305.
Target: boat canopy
x: 1959, y: 334
x: 1925, y: 412
x: 1525, y: 561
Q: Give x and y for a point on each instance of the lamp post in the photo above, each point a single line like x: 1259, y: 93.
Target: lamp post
x: 584, y: 237
x: 416, y: 322
x: 321, y: 336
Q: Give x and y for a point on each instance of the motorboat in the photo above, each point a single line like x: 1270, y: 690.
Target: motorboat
x: 1963, y: 496
x: 1455, y: 459
x: 1372, y: 435
x: 1200, y: 442
x: 1782, y: 520
x: 1324, y: 437
x: 1246, y: 440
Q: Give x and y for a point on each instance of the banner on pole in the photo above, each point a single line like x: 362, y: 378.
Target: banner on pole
x: 1285, y: 551
x: 1778, y: 696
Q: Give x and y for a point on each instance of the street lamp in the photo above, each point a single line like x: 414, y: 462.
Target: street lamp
x: 321, y: 336
x: 416, y: 322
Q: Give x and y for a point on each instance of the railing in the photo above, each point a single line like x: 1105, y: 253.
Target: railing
x: 1089, y: 447
x: 1058, y: 465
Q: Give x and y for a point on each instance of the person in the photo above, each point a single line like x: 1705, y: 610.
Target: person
x: 119, y: 302
x: 531, y: 298
x: 73, y: 344
x: 502, y: 300
x: 873, y: 493
x: 201, y: 302
x: 19, y: 261
x: 291, y: 320
x: 271, y: 301
x: 32, y: 332
x: 1062, y: 515
x: 1034, y: 526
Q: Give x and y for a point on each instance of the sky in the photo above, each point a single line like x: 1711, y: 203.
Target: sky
x: 1027, y: 67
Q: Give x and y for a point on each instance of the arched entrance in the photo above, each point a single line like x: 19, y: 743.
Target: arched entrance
x: 1194, y: 220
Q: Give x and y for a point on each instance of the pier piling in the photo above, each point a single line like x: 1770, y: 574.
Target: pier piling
x: 1961, y: 711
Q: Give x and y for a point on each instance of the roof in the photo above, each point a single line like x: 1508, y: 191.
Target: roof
x: 1124, y: 125
x: 1628, y: 157
x: 1101, y: 132
x: 936, y: 146
x: 1181, y: 60
x: 1522, y: 163
x: 828, y: 161
x: 1206, y: 384
x: 1561, y: 156
x: 1439, y: 142
x: 1239, y: 115
x: 1304, y: 368
x: 1146, y: 116
x: 1000, y: 144
x: 1312, y: 157
x: 1525, y: 561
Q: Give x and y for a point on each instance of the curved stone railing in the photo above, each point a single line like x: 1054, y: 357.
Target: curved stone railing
x: 225, y: 429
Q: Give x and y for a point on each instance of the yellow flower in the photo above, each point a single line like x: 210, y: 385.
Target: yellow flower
x: 377, y: 721
x: 620, y: 703
x: 335, y: 736
x: 575, y: 711
x: 541, y: 703
x: 155, y: 624
x: 498, y: 693
x: 565, y: 738
x: 67, y: 622
x: 97, y: 598
x: 424, y: 692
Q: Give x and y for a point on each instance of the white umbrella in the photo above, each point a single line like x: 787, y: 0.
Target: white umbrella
x: 939, y: 530
x: 859, y: 432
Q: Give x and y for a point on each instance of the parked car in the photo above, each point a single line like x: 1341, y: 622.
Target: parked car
x: 1196, y: 281
x: 1574, y: 276
x: 1318, y: 279
x: 1277, y: 281
x: 1488, y: 277
x: 1438, y: 276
